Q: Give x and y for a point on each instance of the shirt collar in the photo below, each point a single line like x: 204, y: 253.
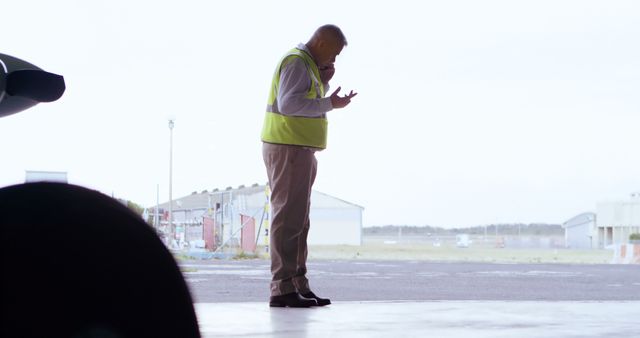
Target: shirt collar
x: 303, y: 47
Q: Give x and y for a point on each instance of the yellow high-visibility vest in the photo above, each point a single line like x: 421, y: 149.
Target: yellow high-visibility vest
x: 295, y: 130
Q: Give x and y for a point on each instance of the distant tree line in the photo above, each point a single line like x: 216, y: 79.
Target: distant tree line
x: 538, y: 229
x: 135, y: 207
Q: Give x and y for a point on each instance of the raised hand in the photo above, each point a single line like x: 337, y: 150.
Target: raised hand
x: 326, y: 72
x: 341, y: 102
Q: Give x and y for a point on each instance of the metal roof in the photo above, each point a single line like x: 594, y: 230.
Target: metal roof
x: 206, y: 199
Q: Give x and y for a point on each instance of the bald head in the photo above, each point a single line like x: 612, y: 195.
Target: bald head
x: 326, y: 43
x: 329, y: 33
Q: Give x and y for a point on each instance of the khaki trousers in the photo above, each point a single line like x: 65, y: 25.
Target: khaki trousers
x: 291, y: 171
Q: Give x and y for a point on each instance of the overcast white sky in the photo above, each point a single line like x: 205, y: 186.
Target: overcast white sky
x: 468, y: 113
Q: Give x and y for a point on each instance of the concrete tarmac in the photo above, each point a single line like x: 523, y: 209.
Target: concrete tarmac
x: 423, y: 319
x: 248, y: 281
x: 421, y: 299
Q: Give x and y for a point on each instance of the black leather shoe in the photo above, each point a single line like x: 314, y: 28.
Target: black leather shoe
x: 291, y: 300
x: 319, y: 301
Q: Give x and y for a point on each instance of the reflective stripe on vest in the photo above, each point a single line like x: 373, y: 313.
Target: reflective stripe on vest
x: 295, y: 130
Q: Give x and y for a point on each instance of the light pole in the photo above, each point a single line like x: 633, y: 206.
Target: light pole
x: 171, y: 229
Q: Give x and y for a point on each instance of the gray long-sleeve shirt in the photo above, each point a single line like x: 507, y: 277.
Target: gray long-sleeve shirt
x: 294, y: 85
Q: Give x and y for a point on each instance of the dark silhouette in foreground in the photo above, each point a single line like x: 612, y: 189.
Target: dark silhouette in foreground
x: 23, y: 85
x: 76, y: 263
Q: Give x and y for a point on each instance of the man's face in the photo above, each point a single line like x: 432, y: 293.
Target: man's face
x: 329, y: 50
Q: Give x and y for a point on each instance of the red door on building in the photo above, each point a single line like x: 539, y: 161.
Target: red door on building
x: 248, y: 234
x: 209, y: 233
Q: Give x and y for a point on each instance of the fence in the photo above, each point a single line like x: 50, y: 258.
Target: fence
x: 626, y: 254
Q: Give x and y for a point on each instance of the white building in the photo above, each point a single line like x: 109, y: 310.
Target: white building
x: 218, y: 217
x: 45, y: 176
x: 612, y: 224
x: 617, y: 220
x: 579, y: 231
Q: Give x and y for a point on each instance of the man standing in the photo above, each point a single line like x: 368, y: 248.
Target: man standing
x: 295, y: 127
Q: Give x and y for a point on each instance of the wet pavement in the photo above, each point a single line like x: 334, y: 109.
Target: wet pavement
x: 423, y: 319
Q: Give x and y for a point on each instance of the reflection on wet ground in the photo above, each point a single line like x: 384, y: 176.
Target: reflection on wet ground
x: 422, y: 319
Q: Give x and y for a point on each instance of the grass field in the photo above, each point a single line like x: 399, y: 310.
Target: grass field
x: 380, y: 249
x: 452, y: 254
x: 423, y: 249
